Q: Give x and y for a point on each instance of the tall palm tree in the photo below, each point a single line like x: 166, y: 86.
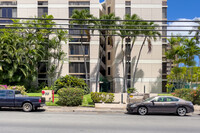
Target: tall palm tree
x: 149, y: 34
x: 123, y: 34
x: 191, y: 49
x: 132, y: 35
x: 82, y: 18
x: 103, y: 26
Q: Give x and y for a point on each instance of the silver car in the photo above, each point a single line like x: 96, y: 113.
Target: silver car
x: 161, y: 104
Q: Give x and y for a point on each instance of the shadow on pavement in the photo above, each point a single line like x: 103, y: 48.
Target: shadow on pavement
x: 158, y: 114
x: 19, y: 110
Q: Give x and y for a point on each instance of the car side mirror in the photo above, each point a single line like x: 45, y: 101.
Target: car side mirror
x: 153, y: 101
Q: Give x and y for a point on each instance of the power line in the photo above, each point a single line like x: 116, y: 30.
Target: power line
x: 196, y: 21
x: 106, y: 25
x: 132, y: 35
x: 95, y: 29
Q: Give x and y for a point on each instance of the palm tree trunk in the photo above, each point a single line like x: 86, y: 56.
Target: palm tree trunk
x: 122, y: 48
x: 134, y: 74
x: 85, y: 63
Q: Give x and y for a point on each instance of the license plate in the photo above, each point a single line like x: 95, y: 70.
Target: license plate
x: 131, y: 96
x: 42, y: 105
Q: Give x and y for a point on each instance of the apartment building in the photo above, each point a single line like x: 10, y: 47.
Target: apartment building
x: 151, y: 72
x: 152, y: 66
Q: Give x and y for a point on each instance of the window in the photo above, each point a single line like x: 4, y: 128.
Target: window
x: 169, y: 99
x: 76, y: 49
x: 2, y: 93
x: 128, y: 3
x: 8, y: 2
x: 164, y: 12
x: 79, y: 3
x: 127, y: 11
x: 78, y: 40
x: 42, y: 11
x: 10, y: 93
x: 108, y: 70
x: 108, y: 55
x: 164, y: 3
x: 42, y: 2
x: 9, y: 12
x: 71, y: 9
x: 108, y: 10
x: 78, y: 67
x: 42, y: 69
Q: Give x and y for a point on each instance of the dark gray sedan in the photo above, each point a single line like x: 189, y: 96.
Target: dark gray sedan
x: 161, y: 104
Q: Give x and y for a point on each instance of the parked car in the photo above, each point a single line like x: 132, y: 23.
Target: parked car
x: 161, y: 104
x: 13, y: 98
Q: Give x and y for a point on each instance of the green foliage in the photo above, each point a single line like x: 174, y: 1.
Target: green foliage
x: 71, y: 81
x: 188, y: 94
x: 48, y: 88
x: 131, y: 90
x: 104, y: 97
x: 70, y: 96
x: 169, y: 88
x: 18, y: 88
x: 22, y: 49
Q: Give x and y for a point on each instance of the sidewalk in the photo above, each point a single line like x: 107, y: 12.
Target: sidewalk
x: 91, y: 109
x: 82, y: 109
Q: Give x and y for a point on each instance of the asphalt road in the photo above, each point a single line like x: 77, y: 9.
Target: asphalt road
x: 51, y: 122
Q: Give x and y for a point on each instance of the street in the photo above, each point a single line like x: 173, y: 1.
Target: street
x: 51, y: 122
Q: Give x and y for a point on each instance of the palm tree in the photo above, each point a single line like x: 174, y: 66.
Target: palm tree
x: 149, y: 34
x: 123, y: 34
x: 103, y: 26
x: 191, y: 49
x: 82, y: 18
x: 134, y: 24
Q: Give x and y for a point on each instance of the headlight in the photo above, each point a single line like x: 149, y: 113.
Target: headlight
x: 133, y: 105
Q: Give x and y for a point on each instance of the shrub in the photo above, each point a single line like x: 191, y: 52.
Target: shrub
x: 48, y: 88
x: 70, y: 96
x: 98, y: 97
x: 71, y: 81
x: 131, y: 90
x: 188, y: 94
x: 18, y: 88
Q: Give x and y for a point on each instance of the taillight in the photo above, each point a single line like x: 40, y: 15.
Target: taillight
x: 40, y: 101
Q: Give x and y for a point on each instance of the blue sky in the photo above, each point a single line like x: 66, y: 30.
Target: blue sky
x: 182, y: 9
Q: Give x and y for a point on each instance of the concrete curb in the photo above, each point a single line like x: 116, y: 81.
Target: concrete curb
x: 81, y: 109
x: 92, y: 109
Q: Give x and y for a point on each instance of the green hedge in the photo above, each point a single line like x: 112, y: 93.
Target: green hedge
x: 98, y: 97
x: 70, y: 96
x: 189, y: 95
x: 70, y: 81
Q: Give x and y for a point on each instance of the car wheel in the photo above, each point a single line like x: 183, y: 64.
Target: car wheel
x: 181, y: 111
x: 142, y: 110
x: 27, y: 107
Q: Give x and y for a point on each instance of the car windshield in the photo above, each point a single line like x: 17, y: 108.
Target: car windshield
x: 148, y: 99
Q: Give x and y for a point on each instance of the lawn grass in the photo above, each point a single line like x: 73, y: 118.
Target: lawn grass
x: 87, y: 101
x: 165, y: 94
x: 38, y: 95
x: 53, y: 104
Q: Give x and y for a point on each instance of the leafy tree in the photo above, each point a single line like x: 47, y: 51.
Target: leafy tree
x: 23, y: 48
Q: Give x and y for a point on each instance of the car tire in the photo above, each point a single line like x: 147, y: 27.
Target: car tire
x: 181, y: 111
x: 142, y: 110
x: 27, y: 107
